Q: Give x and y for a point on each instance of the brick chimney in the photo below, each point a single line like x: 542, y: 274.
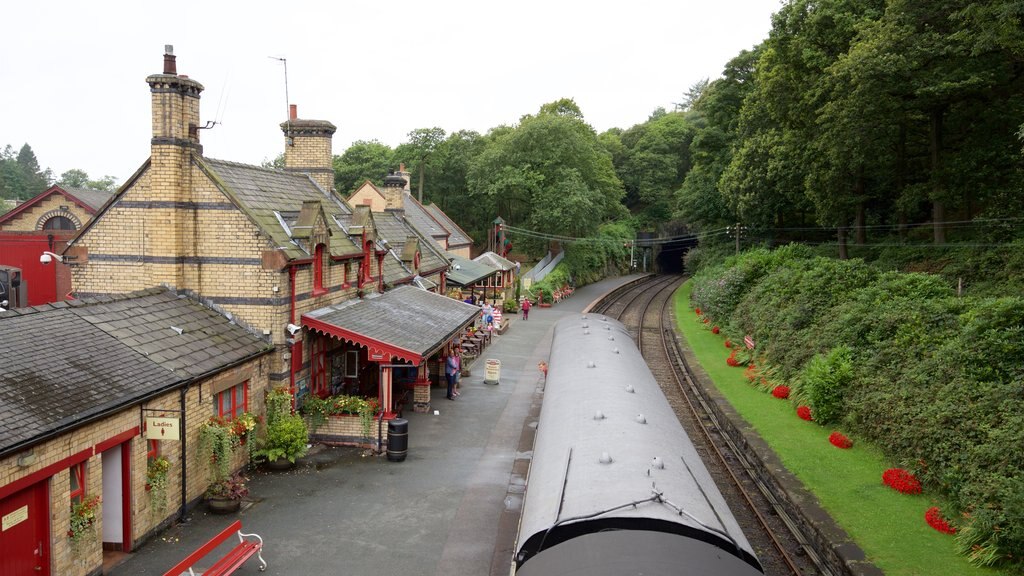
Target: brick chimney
x: 175, y: 107
x: 307, y: 148
x: 408, y: 177
x: 394, y: 192
x: 175, y: 100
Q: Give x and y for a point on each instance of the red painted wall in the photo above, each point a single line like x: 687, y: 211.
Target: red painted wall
x: 48, y: 283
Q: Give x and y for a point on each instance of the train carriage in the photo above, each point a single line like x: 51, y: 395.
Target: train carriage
x: 615, y: 485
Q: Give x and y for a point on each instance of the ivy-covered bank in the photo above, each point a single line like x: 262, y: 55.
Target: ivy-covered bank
x: 935, y: 380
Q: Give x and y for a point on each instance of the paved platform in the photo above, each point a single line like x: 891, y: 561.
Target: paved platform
x: 449, y: 509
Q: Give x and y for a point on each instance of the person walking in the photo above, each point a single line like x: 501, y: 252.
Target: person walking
x: 451, y: 373
x: 526, y: 308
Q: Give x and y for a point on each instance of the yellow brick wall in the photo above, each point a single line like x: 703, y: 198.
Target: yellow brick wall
x: 310, y: 152
x: 364, y: 193
x: 29, y: 220
x: 199, y: 407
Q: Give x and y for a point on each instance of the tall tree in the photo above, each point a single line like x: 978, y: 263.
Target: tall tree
x: 363, y: 160
x: 549, y: 173
x: 422, y: 143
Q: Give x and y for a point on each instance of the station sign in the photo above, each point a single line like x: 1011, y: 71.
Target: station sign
x: 163, y: 429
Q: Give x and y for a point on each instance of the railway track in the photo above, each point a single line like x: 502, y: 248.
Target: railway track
x: 777, y: 538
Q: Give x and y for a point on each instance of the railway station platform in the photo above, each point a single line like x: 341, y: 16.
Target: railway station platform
x: 450, y: 508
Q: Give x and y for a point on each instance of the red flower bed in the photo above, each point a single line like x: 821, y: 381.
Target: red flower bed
x: 728, y: 343
x: 715, y: 330
x: 731, y: 360
x: 697, y: 311
x: 781, y: 392
x: 840, y: 441
x: 804, y: 412
x: 901, y: 481
x: 934, y: 519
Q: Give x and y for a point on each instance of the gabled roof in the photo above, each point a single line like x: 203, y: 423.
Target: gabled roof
x: 422, y: 219
x: 406, y: 322
x: 273, y: 200
x: 466, y: 272
x: 492, y: 259
x: 458, y: 236
x: 88, y: 200
x: 67, y: 363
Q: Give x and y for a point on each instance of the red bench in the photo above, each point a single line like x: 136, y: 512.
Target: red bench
x: 231, y: 561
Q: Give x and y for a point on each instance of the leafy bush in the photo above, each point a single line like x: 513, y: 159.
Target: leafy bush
x: 935, y: 380
x: 286, y: 438
x: 823, y: 383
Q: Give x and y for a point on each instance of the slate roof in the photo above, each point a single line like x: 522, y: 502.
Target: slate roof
x: 422, y: 219
x: 466, y: 272
x: 62, y: 364
x: 413, y: 322
x: 458, y: 236
x: 395, y: 230
x: 93, y: 198
x: 271, y: 196
x: 492, y: 259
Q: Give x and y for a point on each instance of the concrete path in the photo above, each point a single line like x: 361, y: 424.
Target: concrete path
x: 450, y: 508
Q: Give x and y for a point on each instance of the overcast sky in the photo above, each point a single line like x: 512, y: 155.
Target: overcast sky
x: 72, y: 73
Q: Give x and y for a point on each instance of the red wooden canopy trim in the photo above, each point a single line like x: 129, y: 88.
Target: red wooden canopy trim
x: 373, y: 345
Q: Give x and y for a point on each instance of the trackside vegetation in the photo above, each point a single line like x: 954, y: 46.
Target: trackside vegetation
x: 934, y: 380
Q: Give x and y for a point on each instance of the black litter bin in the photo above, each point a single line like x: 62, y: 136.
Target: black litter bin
x: 398, y: 439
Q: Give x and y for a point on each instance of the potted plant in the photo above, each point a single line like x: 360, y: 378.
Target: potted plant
x: 156, y: 484
x: 285, y: 440
x: 218, y: 440
x: 285, y: 437
x: 225, y: 495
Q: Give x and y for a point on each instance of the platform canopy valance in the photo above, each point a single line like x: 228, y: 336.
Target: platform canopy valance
x: 405, y: 323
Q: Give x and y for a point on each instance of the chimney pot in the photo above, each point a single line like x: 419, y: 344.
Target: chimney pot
x: 293, y: 111
x: 169, y: 66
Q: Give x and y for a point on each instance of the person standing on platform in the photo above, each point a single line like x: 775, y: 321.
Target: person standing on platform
x: 526, y: 308
x: 458, y: 373
x: 451, y: 373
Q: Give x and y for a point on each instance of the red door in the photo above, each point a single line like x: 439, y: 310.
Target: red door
x: 25, y: 534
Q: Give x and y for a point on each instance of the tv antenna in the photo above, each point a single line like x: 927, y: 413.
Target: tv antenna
x: 287, y: 113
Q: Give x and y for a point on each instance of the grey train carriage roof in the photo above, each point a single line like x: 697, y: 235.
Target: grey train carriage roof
x: 608, y: 436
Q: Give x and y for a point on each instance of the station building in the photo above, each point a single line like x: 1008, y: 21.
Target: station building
x: 200, y: 285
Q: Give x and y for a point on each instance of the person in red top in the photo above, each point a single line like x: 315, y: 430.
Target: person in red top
x: 526, y: 308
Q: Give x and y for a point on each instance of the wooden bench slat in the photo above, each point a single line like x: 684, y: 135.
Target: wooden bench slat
x: 233, y: 560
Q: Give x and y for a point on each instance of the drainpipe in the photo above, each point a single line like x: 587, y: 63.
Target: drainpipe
x: 184, y: 437
x: 291, y: 320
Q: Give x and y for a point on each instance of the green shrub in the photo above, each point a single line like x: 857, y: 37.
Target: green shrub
x: 287, y: 438
x: 935, y: 380
x: 824, y: 381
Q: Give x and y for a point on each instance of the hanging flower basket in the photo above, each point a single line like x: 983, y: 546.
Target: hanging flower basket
x: 804, y: 412
x: 934, y: 519
x: 839, y: 440
x: 901, y: 481
x: 781, y: 392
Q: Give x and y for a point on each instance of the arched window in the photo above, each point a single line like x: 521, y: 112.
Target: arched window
x: 318, y: 270
x: 59, y: 223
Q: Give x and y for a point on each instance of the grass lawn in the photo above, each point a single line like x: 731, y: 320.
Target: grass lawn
x: 888, y: 526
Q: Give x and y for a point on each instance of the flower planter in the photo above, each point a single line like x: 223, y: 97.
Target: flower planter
x: 218, y: 505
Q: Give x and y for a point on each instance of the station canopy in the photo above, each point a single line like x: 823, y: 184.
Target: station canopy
x: 405, y: 323
x: 466, y: 272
